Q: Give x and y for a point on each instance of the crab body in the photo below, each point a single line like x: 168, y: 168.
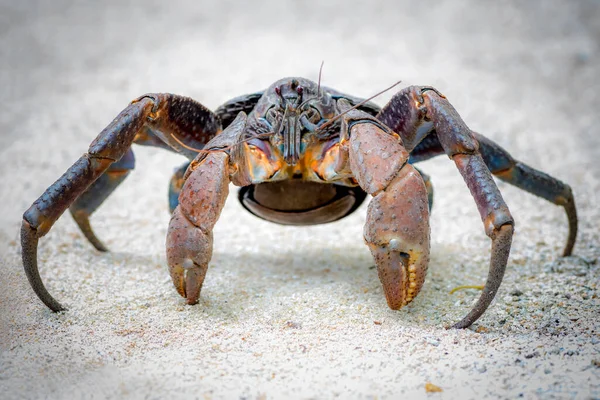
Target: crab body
x: 301, y: 154
x: 299, y: 175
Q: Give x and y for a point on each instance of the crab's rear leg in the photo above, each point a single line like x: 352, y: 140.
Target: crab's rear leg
x: 166, y: 115
x: 175, y: 186
x: 428, y: 187
x: 502, y: 165
x: 95, y: 195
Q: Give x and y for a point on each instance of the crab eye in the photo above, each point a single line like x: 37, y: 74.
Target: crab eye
x: 278, y: 91
x: 300, y: 90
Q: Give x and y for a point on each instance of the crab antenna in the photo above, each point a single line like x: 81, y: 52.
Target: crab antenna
x: 319, y: 82
x: 185, y: 146
x: 331, y: 121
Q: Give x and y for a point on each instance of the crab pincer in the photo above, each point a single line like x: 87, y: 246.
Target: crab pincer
x: 397, y: 225
x: 189, y: 239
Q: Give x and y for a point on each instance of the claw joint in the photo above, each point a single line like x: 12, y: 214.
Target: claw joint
x: 154, y: 112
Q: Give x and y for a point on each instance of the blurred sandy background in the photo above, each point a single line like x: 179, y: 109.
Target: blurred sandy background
x: 298, y: 312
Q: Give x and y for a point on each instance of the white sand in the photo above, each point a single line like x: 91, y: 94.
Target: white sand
x: 299, y: 312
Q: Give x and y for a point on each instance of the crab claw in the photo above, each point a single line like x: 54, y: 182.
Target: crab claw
x: 188, y: 279
x: 397, y: 233
x: 401, y: 274
x: 189, y: 250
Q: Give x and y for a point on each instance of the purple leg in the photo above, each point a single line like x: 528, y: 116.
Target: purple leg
x: 165, y: 115
x: 175, y: 186
x: 414, y: 113
x: 503, y: 166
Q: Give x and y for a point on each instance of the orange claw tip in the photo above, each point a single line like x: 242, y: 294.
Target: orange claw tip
x: 401, y: 274
x: 188, y: 279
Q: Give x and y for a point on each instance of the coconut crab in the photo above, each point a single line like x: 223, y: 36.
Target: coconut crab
x: 302, y: 154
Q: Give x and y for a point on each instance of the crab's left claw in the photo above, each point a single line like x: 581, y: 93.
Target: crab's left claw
x: 397, y: 233
x: 397, y: 226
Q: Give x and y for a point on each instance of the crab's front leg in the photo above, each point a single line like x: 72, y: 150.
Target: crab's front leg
x: 397, y: 226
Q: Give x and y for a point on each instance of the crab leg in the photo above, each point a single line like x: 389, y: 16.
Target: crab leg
x: 189, y: 238
x: 175, y: 186
x: 502, y: 165
x: 164, y: 114
x: 95, y: 195
x: 458, y: 142
x: 416, y: 112
x: 407, y: 115
x: 428, y: 186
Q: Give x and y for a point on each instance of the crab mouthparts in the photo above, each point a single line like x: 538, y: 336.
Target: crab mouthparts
x: 291, y: 140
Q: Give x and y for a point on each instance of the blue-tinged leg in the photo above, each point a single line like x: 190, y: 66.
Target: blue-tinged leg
x: 503, y: 166
x: 172, y: 119
x: 175, y: 186
x: 95, y: 195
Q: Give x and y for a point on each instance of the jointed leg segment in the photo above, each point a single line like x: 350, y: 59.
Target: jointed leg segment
x: 502, y: 165
x: 97, y: 173
x: 94, y: 196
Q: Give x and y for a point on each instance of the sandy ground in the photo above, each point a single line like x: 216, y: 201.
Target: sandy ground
x: 299, y: 312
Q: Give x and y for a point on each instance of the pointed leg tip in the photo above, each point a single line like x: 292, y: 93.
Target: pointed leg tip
x: 59, y: 309
x: 82, y: 219
x: 101, y: 247
x: 465, y: 323
x: 571, y: 211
